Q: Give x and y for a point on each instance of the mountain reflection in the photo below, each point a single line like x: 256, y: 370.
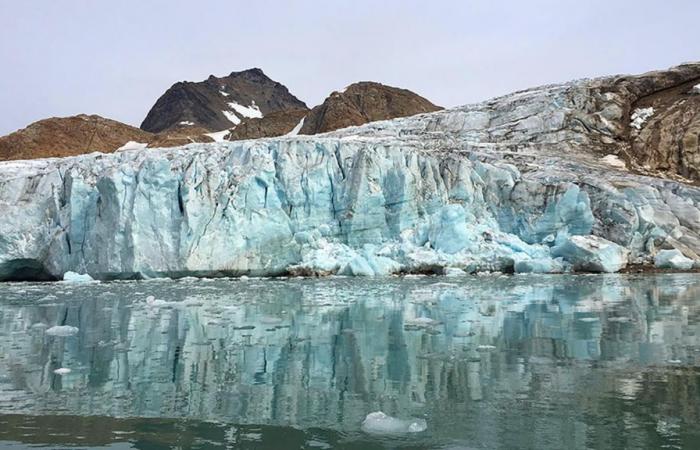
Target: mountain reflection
x: 548, y: 354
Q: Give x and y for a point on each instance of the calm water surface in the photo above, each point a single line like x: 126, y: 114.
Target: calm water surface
x: 489, y: 362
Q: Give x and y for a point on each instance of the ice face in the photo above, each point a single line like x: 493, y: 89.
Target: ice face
x: 505, y: 185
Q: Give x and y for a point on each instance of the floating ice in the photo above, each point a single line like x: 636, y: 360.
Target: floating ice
x: 380, y: 423
x: 74, y: 277
x: 62, y: 371
x: 62, y: 330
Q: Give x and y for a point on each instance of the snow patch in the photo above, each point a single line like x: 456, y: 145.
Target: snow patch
x: 225, y: 94
x: 233, y: 118
x: 252, y: 111
x: 62, y: 371
x: 641, y: 115
x: 132, y: 145
x: 297, y: 128
x: 219, y: 136
x: 696, y: 89
x: 186, y: 122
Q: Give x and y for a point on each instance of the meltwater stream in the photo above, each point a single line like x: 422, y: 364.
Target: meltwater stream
x: 477, y: 362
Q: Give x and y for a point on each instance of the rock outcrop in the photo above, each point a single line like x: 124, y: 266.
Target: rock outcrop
x: 69, y: 136
x: 361, y: 103
x: 272, y: 125
x: 531, y: 181
x: 217, y: 104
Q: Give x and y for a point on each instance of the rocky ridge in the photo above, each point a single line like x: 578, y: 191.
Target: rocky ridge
x: 219, y: 103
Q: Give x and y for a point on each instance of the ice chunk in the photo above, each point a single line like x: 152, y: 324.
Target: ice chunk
x: 539, y: 265
x: 454, y: 272
x: 62, y: 330
x: 358, y: 267
x: 448, y: 230
x: 380, y: 423
x: 591, y: 253
x: 62, y: 371
x: 74, y: 277
x: 672, y: 259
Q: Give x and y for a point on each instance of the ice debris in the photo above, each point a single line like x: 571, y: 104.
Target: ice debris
x: 592, y: 253
x: 62, y: 330
x: 380, y: 423
x: 74, y: 277
x: 672, y: 259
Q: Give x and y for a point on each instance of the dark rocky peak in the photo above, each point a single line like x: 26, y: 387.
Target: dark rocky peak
x: 220, y: 103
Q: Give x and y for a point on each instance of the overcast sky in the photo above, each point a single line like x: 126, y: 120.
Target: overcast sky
x: 115, y: 58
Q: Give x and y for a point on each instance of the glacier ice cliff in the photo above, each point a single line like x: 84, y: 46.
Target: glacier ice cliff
x: 518, y: 183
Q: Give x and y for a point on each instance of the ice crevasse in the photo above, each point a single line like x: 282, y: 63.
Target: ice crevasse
x: 506, y: 185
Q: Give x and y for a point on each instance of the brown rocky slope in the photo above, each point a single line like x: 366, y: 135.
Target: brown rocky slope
x: 364, y: 102
x: 69, y: 136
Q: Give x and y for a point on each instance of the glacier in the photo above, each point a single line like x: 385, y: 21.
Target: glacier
x: 514, y: 184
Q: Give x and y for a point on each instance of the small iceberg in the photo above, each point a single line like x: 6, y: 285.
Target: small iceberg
x: 74, y: 277
x: 62, y: 330
x: 380, y: 423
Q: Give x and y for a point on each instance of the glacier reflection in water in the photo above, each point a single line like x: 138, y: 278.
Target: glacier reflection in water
x: 525, y: 361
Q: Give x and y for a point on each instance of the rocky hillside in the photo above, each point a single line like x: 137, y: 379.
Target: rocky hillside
x: 77, y: 135
x: 217, y: 104
x: 357, y: 104
x: 361, y: 103
x: 274, y: 124
x: 68, y: 136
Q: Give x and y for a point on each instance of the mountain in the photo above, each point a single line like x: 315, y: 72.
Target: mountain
x: 361, y: 103
x: 68, y: 136
x: 357, y: 104
x: 217, y: 104
x: 542, y: 180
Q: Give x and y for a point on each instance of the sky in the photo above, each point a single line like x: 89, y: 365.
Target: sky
x: 115, y: 58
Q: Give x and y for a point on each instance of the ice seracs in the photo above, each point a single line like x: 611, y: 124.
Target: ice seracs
x: 508, y: 185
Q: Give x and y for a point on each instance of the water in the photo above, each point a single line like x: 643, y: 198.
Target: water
x: 488, y: 362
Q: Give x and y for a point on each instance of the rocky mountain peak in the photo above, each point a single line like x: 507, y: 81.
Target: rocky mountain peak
x: 364, y: 102
x: 219, y: 103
